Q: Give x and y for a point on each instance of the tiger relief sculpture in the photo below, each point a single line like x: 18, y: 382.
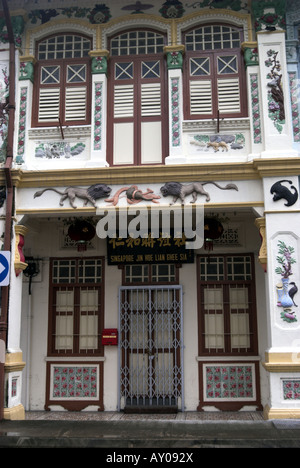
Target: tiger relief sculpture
x: 178, y: 190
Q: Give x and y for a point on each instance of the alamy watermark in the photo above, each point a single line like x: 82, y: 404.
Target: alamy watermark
x: 184, y: 221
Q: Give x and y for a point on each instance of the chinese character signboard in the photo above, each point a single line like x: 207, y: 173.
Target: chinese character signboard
x: 148, y: 250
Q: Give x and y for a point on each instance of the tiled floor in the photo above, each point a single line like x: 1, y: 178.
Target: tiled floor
x: 115, y: 416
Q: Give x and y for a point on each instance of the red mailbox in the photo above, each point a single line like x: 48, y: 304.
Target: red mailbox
x: 110, y: 337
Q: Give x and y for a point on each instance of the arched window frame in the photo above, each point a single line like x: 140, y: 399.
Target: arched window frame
x: 210, y: 75
x: 62, y: 90
x: 134, y: 107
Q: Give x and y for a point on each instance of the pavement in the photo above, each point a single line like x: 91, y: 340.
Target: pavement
x: 118, y: 434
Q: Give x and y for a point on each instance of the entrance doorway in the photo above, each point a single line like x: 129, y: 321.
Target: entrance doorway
x: 151, y: 349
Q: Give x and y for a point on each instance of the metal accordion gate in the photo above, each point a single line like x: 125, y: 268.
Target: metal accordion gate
x: 150, y: 349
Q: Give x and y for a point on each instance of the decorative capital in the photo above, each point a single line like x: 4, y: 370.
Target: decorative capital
x: 99, y: 61
x: 27, y: 67
x: 174, y: 56
x: 250, y: 53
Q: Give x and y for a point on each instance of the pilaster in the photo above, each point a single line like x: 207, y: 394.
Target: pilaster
x: 13, y: 359
x: 275, y: 92
x: 282, y: 358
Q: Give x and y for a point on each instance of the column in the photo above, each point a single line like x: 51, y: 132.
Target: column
x: 14, y: 364
x: 276, y: 104
x: 282, y: 358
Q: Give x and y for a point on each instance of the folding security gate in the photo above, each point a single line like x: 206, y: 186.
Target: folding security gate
x: 150, y: 348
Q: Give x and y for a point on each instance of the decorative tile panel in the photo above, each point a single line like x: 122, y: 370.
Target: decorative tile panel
x: 175, y: 112
x: 291, y: 389
x: 98, y: 116
x: 74, y: 382
x: 14, y: 383
x: 229, y: 382
x: 257, y: 138
x: 22, y: 125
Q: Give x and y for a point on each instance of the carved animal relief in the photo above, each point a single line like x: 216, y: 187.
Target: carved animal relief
x: 178, y: 190
x: 282, y: 192
x: 92, y: 194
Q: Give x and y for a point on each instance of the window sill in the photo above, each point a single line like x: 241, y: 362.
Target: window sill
x: 54, y: 133
x: 240, y: 123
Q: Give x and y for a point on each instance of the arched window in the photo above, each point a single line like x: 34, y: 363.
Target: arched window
x: 214, y: 76
x: 137, y: 102
x: 62, y: 81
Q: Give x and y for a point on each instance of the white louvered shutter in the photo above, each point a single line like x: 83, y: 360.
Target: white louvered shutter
x: 75, y: 104
x: 49, y: 102
x: 151, y: 99
x: 229, y: 95
x: 200, y: 97
x: 123, y: 101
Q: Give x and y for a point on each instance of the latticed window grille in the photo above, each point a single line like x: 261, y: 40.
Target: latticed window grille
x: 145, y: 274
x: 137, y: 43
x: 76, y: 306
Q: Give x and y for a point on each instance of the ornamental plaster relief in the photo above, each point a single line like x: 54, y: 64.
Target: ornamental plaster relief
x: 246, y: 193
x: 285, y: 278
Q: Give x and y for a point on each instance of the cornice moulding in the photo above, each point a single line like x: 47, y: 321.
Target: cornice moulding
x: 254, y: 170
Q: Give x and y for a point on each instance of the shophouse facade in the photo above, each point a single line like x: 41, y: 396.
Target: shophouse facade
x: 150, y: 206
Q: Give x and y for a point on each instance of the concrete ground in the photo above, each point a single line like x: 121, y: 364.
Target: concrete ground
x: 115, y: 432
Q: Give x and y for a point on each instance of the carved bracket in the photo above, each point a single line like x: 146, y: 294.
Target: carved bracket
x: 260, y: 223
x: 19, y: 260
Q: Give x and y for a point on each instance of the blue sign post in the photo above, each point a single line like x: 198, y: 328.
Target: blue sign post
x: 4, y: 268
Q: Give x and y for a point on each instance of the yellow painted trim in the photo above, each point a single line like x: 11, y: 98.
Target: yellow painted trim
x: 248, y: 44
x: 274, y: 167
x: 14, y: 362
x: 129, y: 19
x: 281, y: 413
x: 282, y: 362
x: 174, y: 48
x: 216, y: 12
x: 99, y: 53
x: 55, y: 22
x: 28, y: 58
x: 21, y: 230
x: 254, y: 170
x: 16, y: 413
x: 281, y: 211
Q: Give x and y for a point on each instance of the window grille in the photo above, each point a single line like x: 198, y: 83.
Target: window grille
x: 63, y: 47
x: 76, y: 304
x: 137, y: 42
x: 157, y: 273
x: 212, y: 37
